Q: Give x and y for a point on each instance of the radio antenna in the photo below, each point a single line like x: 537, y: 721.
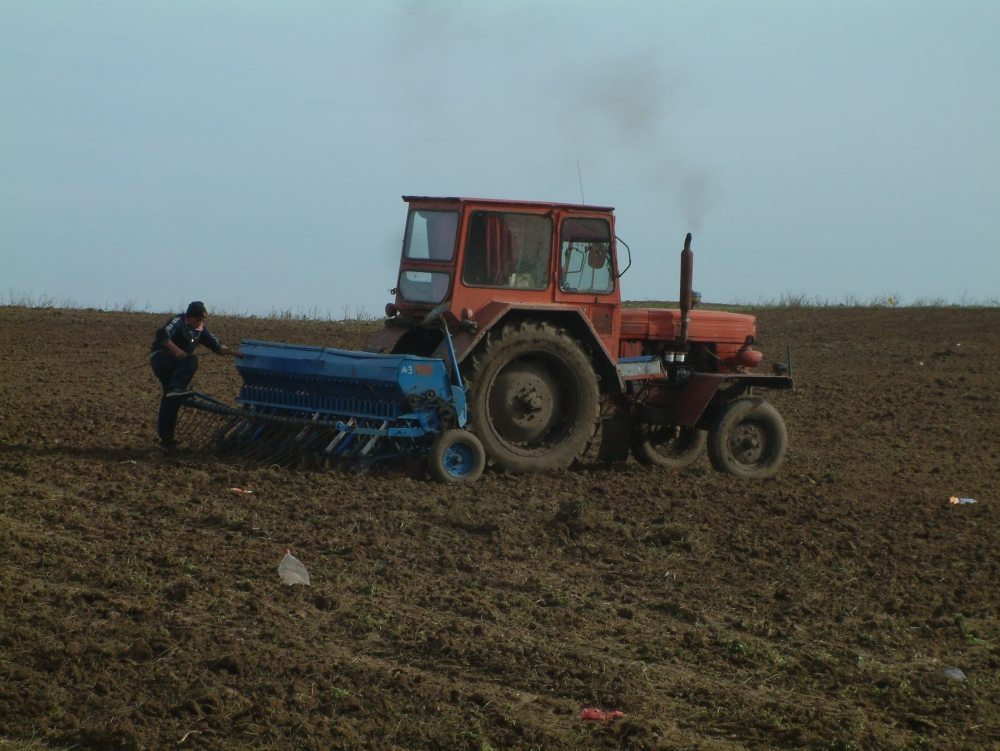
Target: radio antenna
x: 579, y: 176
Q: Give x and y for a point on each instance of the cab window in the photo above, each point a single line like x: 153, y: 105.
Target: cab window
x: 430, y: 235
x: 585, y: 260
x: 508, y: 250
x: 423, y: 286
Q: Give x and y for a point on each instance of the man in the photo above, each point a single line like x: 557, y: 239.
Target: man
x: 174, y: 363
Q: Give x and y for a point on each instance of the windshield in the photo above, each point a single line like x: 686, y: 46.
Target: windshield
x: 423, y: 286
x: 430, y: 235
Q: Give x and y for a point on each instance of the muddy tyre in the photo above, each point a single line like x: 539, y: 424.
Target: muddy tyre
x: 748, y: 439
x: 456, y: 456
x: 668, y: 446
x: 533, y: 398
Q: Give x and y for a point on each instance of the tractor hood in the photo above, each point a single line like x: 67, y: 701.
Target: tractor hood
x: 664, y: 324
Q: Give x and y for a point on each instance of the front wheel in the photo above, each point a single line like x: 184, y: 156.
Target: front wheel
x: 670, y: 446
x: 748, y: 439
x: 457, y: 456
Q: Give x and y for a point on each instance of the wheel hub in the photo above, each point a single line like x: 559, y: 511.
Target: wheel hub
x: 748, y: 443
x: 524, y: 403
x: 458, y: 460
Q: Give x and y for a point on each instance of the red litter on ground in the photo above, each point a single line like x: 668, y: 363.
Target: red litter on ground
x: 592, y: 714
x: 241, y: 490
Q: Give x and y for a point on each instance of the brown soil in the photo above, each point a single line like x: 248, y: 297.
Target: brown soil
x: 142, y: 608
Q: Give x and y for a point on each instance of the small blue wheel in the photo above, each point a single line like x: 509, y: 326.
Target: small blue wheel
x: 457, y: 456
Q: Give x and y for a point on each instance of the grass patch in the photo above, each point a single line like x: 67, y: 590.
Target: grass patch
x: 786, y: 301
x: 14, y: 299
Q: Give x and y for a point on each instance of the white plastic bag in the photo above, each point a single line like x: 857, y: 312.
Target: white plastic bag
x: 291, y: 569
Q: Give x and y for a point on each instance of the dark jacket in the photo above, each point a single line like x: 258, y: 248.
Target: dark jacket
x: 183, y: 336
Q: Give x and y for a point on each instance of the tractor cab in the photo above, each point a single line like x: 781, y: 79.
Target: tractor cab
x: 465, y: 259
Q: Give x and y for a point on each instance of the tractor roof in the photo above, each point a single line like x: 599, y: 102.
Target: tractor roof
x: 499, y: 202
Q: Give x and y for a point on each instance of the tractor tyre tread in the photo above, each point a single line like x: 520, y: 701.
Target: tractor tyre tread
x: 756, y: 411
x: 692, y: 444
x: 560, y: 353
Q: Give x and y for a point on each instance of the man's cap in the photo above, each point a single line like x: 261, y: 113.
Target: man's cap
x: 197, y: 309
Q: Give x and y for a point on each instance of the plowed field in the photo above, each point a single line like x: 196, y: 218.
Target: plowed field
x: 141, y: 606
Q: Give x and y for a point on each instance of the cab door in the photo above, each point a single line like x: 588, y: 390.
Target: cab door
x: 587, y: 276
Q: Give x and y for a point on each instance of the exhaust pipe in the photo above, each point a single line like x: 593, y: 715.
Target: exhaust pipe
x: 687, y: 274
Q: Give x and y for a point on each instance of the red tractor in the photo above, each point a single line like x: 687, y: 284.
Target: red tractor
x: 530, y: 293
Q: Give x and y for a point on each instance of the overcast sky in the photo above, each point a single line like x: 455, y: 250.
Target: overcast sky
x: 253, y: 154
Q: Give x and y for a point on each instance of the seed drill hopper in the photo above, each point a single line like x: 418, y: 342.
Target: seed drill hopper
x: 323, y: 407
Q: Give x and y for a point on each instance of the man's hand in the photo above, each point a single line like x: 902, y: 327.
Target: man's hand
x: 175, y: 350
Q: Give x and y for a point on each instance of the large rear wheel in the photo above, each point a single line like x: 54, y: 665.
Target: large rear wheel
x: 748, y: 439
x: 533, y: 398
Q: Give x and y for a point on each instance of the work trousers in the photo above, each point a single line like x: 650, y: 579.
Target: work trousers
x: 174, y: 375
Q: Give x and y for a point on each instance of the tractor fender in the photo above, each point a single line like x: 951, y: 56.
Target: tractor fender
x: 570, y: 317
x: 465, y: 339
x: 384, y: 341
